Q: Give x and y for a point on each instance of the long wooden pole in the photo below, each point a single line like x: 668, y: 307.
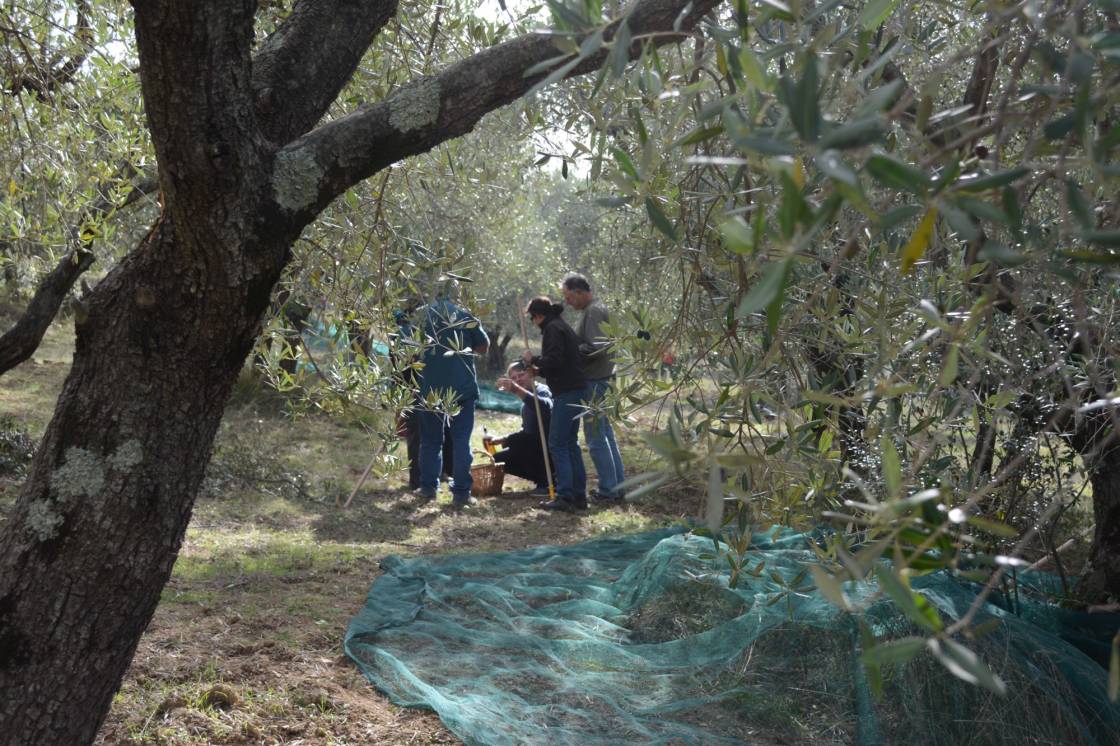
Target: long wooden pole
x: 358, y: 486
x: 537, y: 404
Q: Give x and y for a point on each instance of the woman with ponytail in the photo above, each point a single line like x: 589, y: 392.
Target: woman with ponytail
x: 560, y: 363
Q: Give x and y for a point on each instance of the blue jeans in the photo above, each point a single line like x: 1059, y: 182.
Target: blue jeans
x: 431, y: 450
x: 563, y: 443
x: 601, y: 444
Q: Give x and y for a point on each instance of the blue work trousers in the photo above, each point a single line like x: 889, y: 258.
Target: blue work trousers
x: 431, y: 449
x: 563, y: 443
x: 601, y: 443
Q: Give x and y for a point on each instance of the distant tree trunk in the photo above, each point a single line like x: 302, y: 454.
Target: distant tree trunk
x: 853, y: 446
x: 494, y: 363
x: 982, y: 458
x: 1015, y: 460
x: 295, y: 315
x: 1095, y: 440
x: 839, y: 373
x: 983, y: 452
x: 1103, y: 579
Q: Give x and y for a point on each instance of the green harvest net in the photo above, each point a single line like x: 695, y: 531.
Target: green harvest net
x: 498, y: 401
x: 324, y: 343
x: 639, y: 639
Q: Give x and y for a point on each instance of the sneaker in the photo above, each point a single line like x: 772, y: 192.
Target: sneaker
x: 580, y: 502
x: 462, y: 503
x: 426, y: 495
x: 539, y: 491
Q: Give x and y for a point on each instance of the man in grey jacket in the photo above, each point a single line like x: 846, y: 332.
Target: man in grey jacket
x: 598, y: 367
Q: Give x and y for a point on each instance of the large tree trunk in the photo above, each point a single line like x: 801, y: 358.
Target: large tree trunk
x: 110, y: 494
x: 94, y: 535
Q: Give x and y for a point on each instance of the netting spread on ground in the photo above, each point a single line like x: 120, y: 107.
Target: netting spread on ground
x: 639, y: 639
x: 497, y: 401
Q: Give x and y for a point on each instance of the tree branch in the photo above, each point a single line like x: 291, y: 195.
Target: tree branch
x: 19, y: 342
x: 301, y: 67
x: 980, y: 82
x: 197, y: 85
x: 59, y: 71
x: 319, y: 166
x: 975, y: 98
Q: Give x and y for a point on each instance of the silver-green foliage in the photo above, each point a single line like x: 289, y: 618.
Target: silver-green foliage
x: 891, y: 247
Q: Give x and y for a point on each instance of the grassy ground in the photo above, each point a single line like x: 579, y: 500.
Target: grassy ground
x: 245, y: 644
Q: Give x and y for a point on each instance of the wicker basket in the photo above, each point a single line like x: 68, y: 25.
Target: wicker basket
x: 487, y: 479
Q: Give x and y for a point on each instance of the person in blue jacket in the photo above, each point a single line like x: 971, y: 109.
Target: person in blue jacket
x: 408, y: 378
x: 452, y: 337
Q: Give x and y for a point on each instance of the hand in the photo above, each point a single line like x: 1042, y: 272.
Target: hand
x: 503, y: 384
x: 527, y: 357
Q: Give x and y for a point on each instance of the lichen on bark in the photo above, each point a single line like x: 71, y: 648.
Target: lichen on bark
x: 43, y: 520
x: 296, y: 178
x: 416, y: 106
x: 128, y: 454
x: 81, y: 473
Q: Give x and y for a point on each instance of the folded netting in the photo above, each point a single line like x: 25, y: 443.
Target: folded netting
x: 640, y: 640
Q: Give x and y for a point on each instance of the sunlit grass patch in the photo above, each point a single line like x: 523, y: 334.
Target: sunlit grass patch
x: 175, y: 596
x: 624, y: 521
x: 218, y: 554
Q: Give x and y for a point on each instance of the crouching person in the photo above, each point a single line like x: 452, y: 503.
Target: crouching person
x: 521, y: 452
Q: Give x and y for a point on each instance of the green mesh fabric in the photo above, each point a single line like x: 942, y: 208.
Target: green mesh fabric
x: 498, y: 401
x: 640, y: 639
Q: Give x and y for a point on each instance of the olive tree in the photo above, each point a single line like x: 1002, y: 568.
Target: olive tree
x: 895, y: 253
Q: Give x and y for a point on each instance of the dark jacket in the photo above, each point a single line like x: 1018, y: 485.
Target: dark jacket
x: 453, y: 337
x: 560, y: 359
x: 528, y: 434
x: 522, y: 453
